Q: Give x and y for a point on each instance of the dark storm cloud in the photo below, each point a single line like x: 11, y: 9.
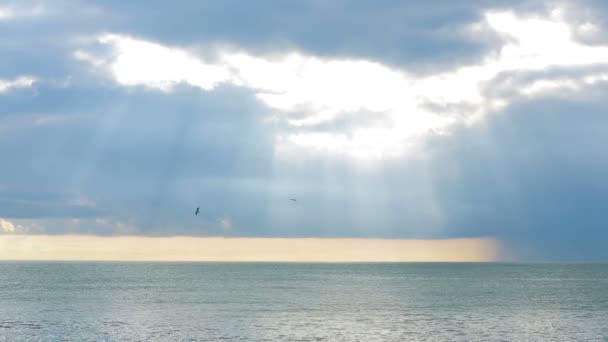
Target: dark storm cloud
x: 533, y: 174
x: 395, y: 32
x: 419, y: 35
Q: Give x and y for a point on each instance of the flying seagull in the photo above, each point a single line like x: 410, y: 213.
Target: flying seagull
x: 293, y: 199
x: 197, y: 211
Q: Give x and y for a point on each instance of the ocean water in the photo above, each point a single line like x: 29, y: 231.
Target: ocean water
x: 302, y: 302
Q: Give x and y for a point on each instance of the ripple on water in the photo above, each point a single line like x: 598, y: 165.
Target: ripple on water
x: 287, y: 302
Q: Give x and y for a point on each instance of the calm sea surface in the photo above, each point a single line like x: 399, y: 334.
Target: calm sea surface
x: 302, y: 302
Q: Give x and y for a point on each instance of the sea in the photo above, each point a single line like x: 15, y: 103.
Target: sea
x: 78, y: 301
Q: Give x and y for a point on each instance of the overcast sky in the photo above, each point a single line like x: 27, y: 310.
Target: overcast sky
x: 384, y: 119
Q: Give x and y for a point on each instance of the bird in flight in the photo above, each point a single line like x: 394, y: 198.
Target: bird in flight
x: 293, y: 200
x: 197, y: 211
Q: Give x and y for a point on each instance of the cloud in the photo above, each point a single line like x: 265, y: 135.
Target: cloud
x: 308, y: 90
x: 140, y: 62
x: 19, y: 12
x: 530, y: 175
x: 19, y: 227
x: 5, y: 13
x: 17, y: 83
x: 6, y: 226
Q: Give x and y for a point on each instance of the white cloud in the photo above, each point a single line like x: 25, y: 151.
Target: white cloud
x: 16, y: 12
x: 87, y: 57
x: 139, y: 62
x: 323, y: 89
x: 18, y: 227
x: 6, y: 226
x: 20, y: 82
x: 545, y: 86
x: 5, y: 13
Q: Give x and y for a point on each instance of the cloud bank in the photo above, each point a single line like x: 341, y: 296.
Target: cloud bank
x: 406, y: 106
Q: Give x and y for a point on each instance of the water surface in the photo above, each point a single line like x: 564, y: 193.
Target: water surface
x: 302, y: 302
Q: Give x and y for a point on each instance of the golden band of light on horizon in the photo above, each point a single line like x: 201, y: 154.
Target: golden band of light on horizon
x: 138, y: 248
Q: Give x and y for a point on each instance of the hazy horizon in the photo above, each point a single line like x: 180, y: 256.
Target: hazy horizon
x: 137, y: 248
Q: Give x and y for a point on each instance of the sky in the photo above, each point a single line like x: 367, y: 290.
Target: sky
x: 384, y: 119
